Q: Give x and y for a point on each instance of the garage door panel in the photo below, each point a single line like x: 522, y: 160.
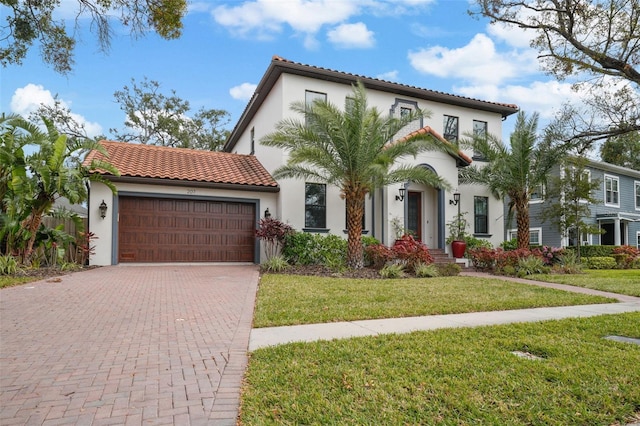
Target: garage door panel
x: 176, y: 230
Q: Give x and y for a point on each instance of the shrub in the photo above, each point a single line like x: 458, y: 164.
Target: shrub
x: 626, y: 256
x: 599, y: 262
x: 568, y: 263
x: 394, y: 270
x: 8, y: 265
x: 367, y: 242
x: 531, y: 265
x: 551, y: 255
x: 509, y: 270
x: 594, y: 251
x: 275, y: 264
x: 474, y: 243
x: 483, y: 258
x: 422, y: 270
x: 511, y: 244
x: 272, y: 232
x: 411, y: 252
x: 379, y: 255
x: 448, y: 269
x: 302, y: 248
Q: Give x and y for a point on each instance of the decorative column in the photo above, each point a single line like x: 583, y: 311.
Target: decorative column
x: 616, y: 232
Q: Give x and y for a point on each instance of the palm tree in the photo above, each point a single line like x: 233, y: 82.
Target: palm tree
x: 54, y: 170
x: 513, y: 171
x: 351, y: 149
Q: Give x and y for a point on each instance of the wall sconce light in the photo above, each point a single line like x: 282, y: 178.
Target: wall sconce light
x: 401, y: 191
x: 456, y: 199
x: 267, y: 213
x: 103, y: 209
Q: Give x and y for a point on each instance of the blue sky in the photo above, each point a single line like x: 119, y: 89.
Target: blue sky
x: 226, y: 47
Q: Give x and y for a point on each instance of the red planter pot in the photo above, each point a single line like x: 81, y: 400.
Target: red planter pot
x: 458, y: 248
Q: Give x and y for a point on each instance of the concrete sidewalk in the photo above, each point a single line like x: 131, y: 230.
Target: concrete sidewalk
x: 263, y: 337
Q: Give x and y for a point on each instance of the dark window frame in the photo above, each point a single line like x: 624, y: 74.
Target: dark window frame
x: 448, y: 121
x: 480, y: 219
x: 312, y: 209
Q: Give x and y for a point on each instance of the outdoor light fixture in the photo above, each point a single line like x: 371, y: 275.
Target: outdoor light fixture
x: 103, y: 209
x: 456, y: 199
x: 401, y: 191
x: 267, y: 213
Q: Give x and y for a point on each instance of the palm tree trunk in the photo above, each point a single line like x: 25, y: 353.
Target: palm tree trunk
x: 522, y: 221
x: 355, y: 211
x: 32, y: 225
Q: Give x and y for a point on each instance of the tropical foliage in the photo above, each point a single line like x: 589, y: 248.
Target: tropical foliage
x: 38, y: 167
x: 514, y: 170
x: 353, y: 149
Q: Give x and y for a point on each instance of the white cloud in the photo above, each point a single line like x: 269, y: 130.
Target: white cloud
x: 544, y: 97
x: 478, y: 62
x: 243, y: 92
x: 266, y: 17
x: 351, y: 36
x: 28, y: 99
x: 388, y: 76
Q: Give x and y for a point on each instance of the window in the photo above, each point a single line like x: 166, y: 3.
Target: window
x: 611, y: 191
x: 310, y: 97
x: 535, y: 236
x: 479, y: 131
x: 481, y: 215
x: 450, y: 127
x: 638, y: 240
x: 637, y: 192
x: 537, y: 194
x: 315, y: 205
x: 405, y: 111
x: 253, y: 141
x: 586, y: 177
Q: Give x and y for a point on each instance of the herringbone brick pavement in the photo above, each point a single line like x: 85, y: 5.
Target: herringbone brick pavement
x: 127, y: 345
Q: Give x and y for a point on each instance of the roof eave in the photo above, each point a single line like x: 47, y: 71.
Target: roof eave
x: 191, y: 183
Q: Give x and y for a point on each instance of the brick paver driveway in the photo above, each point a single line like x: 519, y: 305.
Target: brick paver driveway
x: 127, y: 345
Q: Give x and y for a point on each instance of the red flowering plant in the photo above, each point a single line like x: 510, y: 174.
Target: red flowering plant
x: 626, y: 256
x: 411, y: 252
x: 272, y: 232
x: 379, y: 255
x: 551, y: 255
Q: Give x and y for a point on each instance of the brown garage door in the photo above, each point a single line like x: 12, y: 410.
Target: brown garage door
x: 174, y: 230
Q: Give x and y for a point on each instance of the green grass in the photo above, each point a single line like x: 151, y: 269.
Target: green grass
x: 10, y: 281
x: 292, y: 299
x: 453, y: 377
x: 622, y: 281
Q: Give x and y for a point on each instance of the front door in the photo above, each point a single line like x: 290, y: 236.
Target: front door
x: 414, y: 214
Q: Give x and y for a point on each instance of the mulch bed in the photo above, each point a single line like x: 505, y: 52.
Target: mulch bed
x: 323, y: 271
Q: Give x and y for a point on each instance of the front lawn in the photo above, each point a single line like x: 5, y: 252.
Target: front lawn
x: 453, y: 377
x: 294, y: 299
x: 622, y: 281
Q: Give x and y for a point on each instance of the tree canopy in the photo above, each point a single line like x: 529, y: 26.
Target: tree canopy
x: 596, y: 43
x: 31, y: 22
x: 622, y: 150
x: 354, y: 149
x: 157, y: 119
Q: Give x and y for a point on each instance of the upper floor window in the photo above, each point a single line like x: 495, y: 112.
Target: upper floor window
x: 450, y: 128
x: 315, y: 205
x: 479, y: 131
x: 636, y: 186
x: 537, y: 194
x: 611, y: 190
x: 310, y: 97
x: 253, y: 141
x: 405, y: 111
x: 481, y: 215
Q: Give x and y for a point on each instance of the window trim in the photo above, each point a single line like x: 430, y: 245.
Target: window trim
x: 636, y: 189
x: 444, y: 127
x: 617, y: 179
x: 513, y: 233
x: 309, y: 228
x: 476, y: 216
x: 543, y: 189
x: 588, y: 172
x: 638, y: 240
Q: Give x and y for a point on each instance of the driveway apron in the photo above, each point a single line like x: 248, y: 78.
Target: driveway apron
x: 162, y: 344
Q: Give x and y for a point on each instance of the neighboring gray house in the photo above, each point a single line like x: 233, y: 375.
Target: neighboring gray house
x: 618, y: 214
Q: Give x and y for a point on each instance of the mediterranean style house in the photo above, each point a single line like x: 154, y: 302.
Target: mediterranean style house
x: 617, y: 214
x: 178, y: 205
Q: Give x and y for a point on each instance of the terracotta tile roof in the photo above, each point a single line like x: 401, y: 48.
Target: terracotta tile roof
x: 438, y: 136
x: 148, y: 161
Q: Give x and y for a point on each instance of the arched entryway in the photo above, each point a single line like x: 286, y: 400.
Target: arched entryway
x: 424, y: 210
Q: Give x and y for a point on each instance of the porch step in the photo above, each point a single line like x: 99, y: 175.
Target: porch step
x: 440, y: 256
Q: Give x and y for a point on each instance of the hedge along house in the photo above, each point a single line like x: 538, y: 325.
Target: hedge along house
x: 316, y: 207
x: 178, y: 205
